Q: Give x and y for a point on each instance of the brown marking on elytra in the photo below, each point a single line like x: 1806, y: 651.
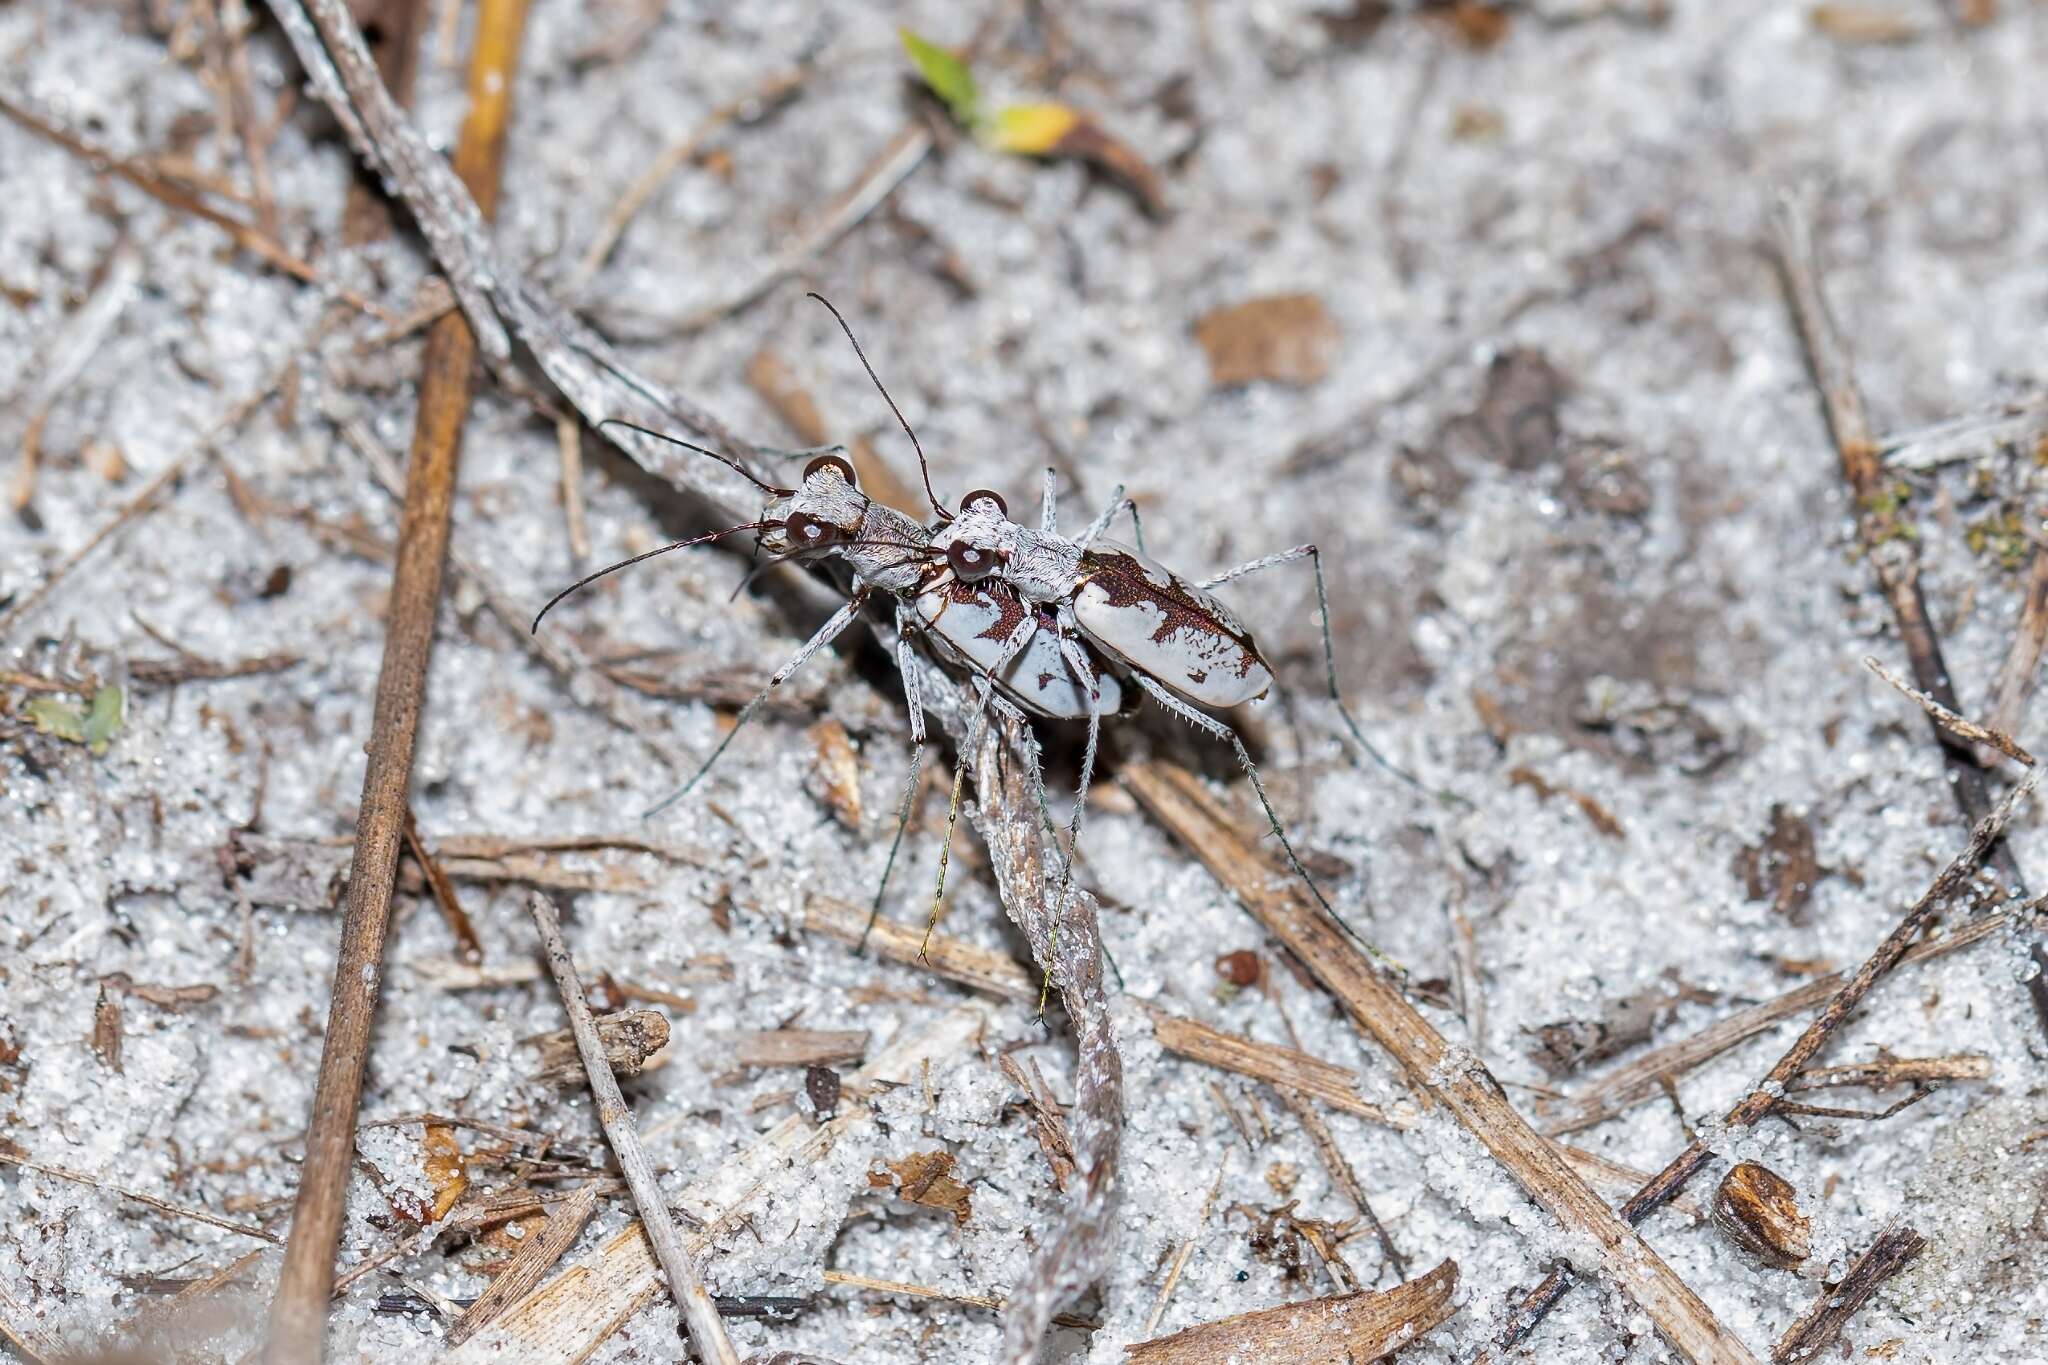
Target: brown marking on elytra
x: 1009, y: 608
x: 1125, y: 582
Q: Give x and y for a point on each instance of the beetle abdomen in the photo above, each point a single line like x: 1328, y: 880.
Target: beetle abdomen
x: 973, y: 619
x: 1165, y: 626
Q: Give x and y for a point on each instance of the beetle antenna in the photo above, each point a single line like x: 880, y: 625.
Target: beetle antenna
x: 923, y: 467
x: 614, y: 568
x: 728, y: 461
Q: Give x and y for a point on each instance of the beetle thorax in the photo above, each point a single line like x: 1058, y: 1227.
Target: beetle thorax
x: 1041, y: 567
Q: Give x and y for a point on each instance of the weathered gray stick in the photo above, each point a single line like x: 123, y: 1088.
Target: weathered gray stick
x: 700, y: 1314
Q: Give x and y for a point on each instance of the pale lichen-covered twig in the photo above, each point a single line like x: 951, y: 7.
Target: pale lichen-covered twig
x: 686, y: 1285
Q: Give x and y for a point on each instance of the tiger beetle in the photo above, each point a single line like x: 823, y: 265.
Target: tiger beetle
x: 1023, y: 666
x: 1176, y: 641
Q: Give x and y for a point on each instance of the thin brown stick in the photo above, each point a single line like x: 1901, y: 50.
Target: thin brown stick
x: 1961, y: 727
x: 467, y: 948
x: 1769, y: 1093
x: 978, y: 968
x: 1357, y: 1328
x: 1180, y: 1258
x: 877, y: 180
x: 535, y: 1258
x: 1818, y: 1327
x: 1283, y: 1067
x: 1453, y: 1076
x: 2023, y: 659
x: 919, y: 1291
x: 1341, y: 1173
x: 700, y: 1314
x: 1637, y: 1082
x: 298, y: 1314
x: 147, y: 1200
x: 1889, y: 544
x: 569, y: 445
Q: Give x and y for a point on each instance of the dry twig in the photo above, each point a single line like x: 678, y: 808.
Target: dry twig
x: 298, y: 1315
x: 1818, y: 1327
x: 707, y: 1332
x: 535, y: 1258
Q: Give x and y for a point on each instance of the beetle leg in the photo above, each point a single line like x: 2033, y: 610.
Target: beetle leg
x: 1077, y: 664
x: 913, y: 698
x: 827, y: 633
x: 1048, y: 504
x: 1203, y: 721
x: 1117, y: 502
x: 1315, y: 556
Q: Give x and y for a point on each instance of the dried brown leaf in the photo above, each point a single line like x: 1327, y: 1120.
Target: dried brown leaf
x: 835, y: 772
x: 1284, y: 338
x: 1783, y: 868
x: 1758, y: 1210
x: 926, y: 1178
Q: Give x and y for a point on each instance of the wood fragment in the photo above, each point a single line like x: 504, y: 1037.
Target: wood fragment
x: 1960, y: 726
x: 1890, y: 1071
x: 798, y: 1047
x: 1283, y: 338
x: 1180, y: 1257
x: 107, y: 1030
x: 1358, y: 1327
x: 835, y: 769
x: 535, y: 1258
x: 1341, y: 1174
x: 167, y: 192
x: 1454, y: 1076
x: 1818, y: 1327
x: 2015, y: 684
x: 686, y: 1284
x: 927, y: 1178
x: 1048, y: 1121
x: 297, y: 1331
x: 569, y: 446
x: 1285, y: 1067
x: 978, y: 968
x: 628, y: 1038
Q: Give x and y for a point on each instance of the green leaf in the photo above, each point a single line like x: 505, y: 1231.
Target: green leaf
x: 95, y: 727
x: 948, y: 76
x: 109, y: 712
x: 64, y: 719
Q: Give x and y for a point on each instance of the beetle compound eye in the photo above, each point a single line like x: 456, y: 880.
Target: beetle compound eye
x: 970, y: 563
x: 984, y: 495
x: 808, y: 533
x: 830, y: 462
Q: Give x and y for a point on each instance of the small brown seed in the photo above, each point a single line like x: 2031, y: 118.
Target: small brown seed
x: 1759, y: 1211
x: 1241, y: 968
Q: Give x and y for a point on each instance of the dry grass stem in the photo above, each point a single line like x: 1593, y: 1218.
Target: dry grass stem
x: 1959, y: 726
x: 798, y: 1047
x: 1341, y: 1174
x: 147, y: 1200
x: 535, y: 1258
x: 1180, y: 1257
x: 978, y: 968
x: 1284, y: 1067
x: 918, y: 1291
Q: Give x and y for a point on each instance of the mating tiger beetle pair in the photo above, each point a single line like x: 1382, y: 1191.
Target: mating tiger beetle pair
x: 1047, y: 625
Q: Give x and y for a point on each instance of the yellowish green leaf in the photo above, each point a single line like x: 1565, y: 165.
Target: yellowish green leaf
x: 94, y: 726
x: 1031, y: 129
x: 949, y: 77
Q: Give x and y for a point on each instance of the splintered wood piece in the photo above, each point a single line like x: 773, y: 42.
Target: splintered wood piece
x: 1363, y: 1326
x: 629, y: 1038
x: 568, y: 1317
x: 1334, y: 1085
x: 977, y: 968
x: 798, y: 1047
x: 927, y: 1178
x: 533, y: 1260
